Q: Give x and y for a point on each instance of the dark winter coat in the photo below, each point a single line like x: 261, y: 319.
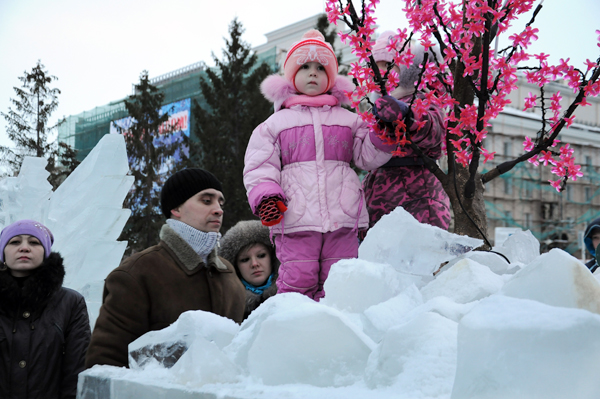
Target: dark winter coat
x: 44, y: 332
x: 151, y: 289
x: 240, y: 236
x: 587, y: 239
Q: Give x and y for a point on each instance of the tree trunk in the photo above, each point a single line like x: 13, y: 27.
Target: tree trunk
x: 474, y: 207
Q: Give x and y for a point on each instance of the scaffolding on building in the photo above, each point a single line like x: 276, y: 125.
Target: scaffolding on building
x: 555, y: 219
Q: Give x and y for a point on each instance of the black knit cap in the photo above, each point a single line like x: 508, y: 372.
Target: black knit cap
x: 183, y: 185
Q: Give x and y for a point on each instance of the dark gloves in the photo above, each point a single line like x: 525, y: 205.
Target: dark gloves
x: 388, y: 109
x: 271, y: 211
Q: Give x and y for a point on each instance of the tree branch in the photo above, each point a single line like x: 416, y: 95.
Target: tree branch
x: 545, y: 143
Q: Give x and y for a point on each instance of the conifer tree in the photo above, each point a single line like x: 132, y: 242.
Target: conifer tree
x: 151, y: 160
x: 27, y: 127
x: 235, y: 106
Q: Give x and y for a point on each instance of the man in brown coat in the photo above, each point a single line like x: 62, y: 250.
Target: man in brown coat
x: 151, y: 289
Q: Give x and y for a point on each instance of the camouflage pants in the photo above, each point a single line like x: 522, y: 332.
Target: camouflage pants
x: 414, y: 188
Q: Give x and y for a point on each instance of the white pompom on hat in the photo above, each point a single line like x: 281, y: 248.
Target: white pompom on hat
x: 312, y: 48
x: 380, y: 49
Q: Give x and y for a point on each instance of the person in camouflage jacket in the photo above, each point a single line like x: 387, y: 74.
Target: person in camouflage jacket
x: 405, y: 181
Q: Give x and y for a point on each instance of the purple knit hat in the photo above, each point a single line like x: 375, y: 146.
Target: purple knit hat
x: 30, y: 227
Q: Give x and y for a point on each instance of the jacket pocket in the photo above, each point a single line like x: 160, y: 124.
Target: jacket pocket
x: 350, y: 197
x: 296, y: 201
x: 59, y: 334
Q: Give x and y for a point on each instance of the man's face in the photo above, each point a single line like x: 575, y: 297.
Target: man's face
x: 203, y: 211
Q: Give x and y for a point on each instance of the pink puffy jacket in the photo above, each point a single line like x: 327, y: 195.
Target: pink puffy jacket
x: 302, y: 154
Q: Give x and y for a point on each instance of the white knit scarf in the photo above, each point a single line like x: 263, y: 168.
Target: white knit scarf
x: 201, y: 242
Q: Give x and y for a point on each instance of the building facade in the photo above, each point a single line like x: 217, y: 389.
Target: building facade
x: 521, y: 198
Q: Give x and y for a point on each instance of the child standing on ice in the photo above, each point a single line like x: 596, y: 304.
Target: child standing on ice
x: 297, y: 167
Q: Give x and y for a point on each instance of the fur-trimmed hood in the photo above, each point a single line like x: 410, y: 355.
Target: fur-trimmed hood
x: 587, y: 238
x: 244, y: 233
x: 277, y: 89
x: 38, y: 288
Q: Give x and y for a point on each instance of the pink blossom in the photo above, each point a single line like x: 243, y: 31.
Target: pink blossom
x: 530, y: 101
x: 333, y: 13
x: 480, y: 135
x: 463, y: 157
x: 457, y: 143
x: 524, y: 38
x: 575, y: 172
x: 569, y: 121
x: 546, y: 158
x: 542, y: 57
x: 590, y: 64
x: 559, y: 170
x: 460, y: 28
x: 487, y: 156
x: 566, y: 151
x: 528, y: 144
x: 583, y: 102
x: 534, y: 160
x: 556, y: 184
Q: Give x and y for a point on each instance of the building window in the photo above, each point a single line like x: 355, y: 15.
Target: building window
x: 507, y: 219
x: 528, y: 221
x: 569, y: 192
x: 508, y: 189
x: 588, y: 193
x: 589, y: 168
x: 508, y: 149
x: 526, y: 191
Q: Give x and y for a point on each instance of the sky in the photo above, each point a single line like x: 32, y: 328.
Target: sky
x: 98, y: 49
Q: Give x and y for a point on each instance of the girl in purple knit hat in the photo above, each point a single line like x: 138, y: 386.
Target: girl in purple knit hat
x: 44, y: 327
x: 405, y: 181
x: 297, y: 167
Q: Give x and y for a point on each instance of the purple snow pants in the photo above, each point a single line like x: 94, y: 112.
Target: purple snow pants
x: 306, y: 258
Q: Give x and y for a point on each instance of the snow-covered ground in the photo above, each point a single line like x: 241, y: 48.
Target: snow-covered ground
x: 481, y: 328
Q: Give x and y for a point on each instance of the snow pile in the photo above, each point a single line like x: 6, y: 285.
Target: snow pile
x: 401, y: 241
x: 518, y: 348
x: 482, y: 328
x: 296, y: 340
x: 85, y: 214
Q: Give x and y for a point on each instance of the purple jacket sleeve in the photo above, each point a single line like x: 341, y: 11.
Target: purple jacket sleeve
x: 432, y: 132
x: 262, y: 167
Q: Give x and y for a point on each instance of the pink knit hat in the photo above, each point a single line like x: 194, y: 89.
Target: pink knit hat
x: 312, y: 48
x: 380, y: 51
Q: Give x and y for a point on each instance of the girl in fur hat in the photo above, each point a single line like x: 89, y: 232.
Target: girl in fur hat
x: 297, y: 167
x: 248, y: 248
x: 405, y: 181
x: 44, y: 327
